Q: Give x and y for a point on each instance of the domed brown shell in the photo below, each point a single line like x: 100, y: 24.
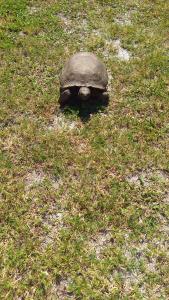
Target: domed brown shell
x: 84, y: 69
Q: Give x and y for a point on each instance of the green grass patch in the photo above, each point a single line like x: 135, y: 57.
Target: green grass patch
x: 84, y: 197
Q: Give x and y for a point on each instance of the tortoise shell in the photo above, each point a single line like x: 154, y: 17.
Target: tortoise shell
x: 84, y: 69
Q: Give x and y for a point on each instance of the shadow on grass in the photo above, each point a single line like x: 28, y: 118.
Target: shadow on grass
x: 85, y: 109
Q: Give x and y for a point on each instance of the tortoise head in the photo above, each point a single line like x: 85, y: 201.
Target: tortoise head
x: 84, y: 93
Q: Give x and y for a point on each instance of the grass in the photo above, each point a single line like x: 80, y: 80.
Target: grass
x: 84, y: 203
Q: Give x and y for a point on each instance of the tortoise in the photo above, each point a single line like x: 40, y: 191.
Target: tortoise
x: 84, y: 76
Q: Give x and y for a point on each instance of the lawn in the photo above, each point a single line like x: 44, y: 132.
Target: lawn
x: 84, y: 195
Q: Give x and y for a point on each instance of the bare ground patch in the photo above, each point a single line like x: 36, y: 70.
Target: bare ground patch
x: 66, y: 22
x: 124, y: 19
x: 99, y: 242
x: 60, y: 290
x: 61, y: 123
x: 144, y: 265
x: 122, y: 54
x: 147, y: 177
x: 36, y: 177
x: 53, y: 222
x: 166, y: 198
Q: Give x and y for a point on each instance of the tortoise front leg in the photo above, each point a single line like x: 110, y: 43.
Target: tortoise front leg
x: 101, y: 96
x: 105, y: 96
x: 64, y: 96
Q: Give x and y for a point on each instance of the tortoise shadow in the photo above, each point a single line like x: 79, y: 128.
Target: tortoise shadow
x: 85, y: 109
